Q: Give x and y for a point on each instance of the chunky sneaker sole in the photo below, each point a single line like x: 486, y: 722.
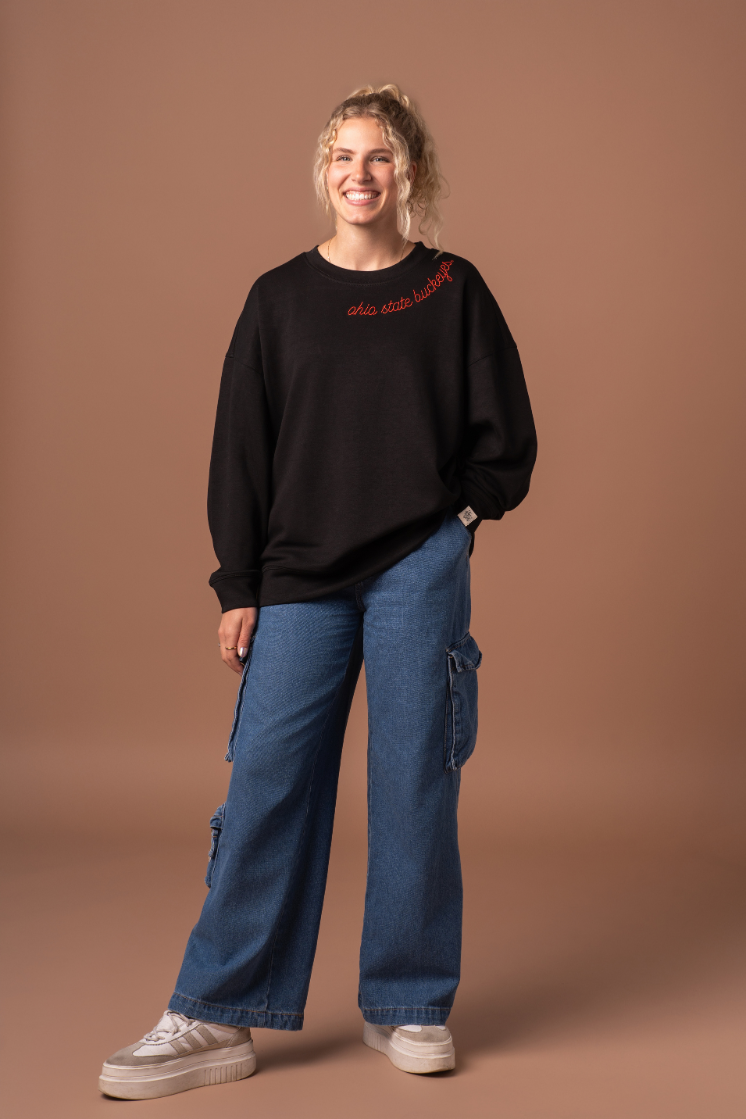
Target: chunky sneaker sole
x: 410, y: 1056
x: 196, y: 1070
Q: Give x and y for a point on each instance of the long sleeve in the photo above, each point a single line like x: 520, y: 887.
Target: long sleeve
x: 500, y: 441
x: 239, y: 492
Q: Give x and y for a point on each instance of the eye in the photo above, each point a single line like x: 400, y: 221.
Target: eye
x: 341, y: 157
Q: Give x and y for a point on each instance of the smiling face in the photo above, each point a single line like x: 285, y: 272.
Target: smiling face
x: 360, y: 177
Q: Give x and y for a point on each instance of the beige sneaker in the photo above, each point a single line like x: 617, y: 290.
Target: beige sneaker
x: 180, y: 1053
x: 413, y: 1048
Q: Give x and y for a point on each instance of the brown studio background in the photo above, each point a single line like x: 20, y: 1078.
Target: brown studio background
x: 159, y: 155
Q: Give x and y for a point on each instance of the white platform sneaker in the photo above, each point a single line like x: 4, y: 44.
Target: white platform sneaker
x: 180, y: 1053
x: 413, y: 1048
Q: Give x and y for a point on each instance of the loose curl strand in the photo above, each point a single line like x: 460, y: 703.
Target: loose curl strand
x: 406, y: 134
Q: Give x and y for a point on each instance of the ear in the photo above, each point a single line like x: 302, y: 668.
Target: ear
x: 412, y: 172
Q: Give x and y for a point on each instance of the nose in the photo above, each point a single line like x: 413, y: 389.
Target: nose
x: 360, y: 172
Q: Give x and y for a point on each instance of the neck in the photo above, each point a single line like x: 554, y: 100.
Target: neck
x: 365, y: 249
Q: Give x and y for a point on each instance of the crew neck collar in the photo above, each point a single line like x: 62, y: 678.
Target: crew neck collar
x: 377, y: 276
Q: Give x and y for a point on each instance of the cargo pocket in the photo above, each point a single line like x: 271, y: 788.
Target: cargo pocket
x: 464, y: 658
x: 239, y: 701
x: 216, y: 824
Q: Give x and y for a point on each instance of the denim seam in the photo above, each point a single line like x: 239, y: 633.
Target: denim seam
x: 374, y: 1008
x: 305, y: 822
x: 451, y: 757
x: 231, y: 750
x: 240, y: 1009
x: 367, y: 863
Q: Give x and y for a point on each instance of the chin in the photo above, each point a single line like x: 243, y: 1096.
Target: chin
x: 354, y: 211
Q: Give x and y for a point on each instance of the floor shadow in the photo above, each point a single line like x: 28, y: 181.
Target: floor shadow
x: 636, y: 941
x: 305, y: 1052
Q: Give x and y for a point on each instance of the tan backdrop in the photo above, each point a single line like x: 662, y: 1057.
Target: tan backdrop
x: 159, y: 161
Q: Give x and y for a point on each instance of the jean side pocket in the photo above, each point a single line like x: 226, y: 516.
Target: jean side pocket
x: 239, y: 702
x: 463, y: 528
x: 464, y: 658
x: 216, y: 826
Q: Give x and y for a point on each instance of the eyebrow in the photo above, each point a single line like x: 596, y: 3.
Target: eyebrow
x: 374, y: 151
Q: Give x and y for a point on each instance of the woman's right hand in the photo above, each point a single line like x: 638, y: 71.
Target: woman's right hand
x: 236, y: 627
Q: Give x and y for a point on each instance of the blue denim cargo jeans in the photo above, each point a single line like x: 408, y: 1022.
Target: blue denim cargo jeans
x: 248, y: 960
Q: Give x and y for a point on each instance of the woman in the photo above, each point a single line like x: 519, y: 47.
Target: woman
x: 372, y: 413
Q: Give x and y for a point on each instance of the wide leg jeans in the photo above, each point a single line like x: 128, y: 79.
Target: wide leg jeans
x: 248, y: 960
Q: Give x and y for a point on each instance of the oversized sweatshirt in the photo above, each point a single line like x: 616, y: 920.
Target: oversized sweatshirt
x: 356, y: 411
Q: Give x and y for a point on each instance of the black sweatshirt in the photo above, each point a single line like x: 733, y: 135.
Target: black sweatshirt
x: 355, y: 410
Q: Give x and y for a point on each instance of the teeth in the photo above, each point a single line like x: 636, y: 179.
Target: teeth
x: 359, y: 196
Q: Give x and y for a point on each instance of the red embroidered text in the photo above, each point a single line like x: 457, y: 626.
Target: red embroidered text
x: 397, y: 305
x: 440, y: 277
x: 434, y: 283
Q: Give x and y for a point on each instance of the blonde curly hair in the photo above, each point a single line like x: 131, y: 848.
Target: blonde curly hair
x: 406, y: 134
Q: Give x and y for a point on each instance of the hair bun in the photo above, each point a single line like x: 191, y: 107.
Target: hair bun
x: 389, y: 91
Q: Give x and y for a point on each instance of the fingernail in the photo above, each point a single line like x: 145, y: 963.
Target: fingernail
x: 242, y: 652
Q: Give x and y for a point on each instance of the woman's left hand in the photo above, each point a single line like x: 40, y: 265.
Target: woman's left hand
x: 236, y: 628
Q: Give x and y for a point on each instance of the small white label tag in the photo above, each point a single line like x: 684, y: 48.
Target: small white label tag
x: 467, y: 515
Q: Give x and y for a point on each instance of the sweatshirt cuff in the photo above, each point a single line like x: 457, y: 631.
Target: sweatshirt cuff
x: 235, y: 592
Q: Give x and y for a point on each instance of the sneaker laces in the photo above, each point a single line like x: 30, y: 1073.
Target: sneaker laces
x: 170, y: 1024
